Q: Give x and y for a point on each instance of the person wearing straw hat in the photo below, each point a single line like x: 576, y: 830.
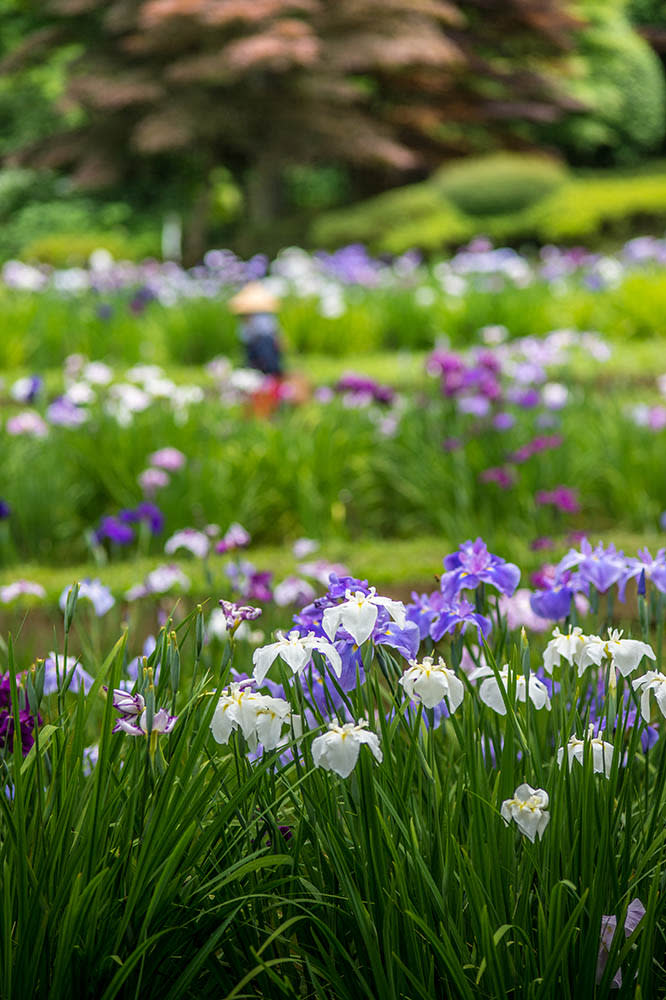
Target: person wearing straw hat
x: 259, y: 331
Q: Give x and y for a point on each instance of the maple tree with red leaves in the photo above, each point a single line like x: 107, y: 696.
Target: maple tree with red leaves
x: 390, y: 86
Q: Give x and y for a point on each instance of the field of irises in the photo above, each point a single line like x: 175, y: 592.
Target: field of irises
x: 348, y: 685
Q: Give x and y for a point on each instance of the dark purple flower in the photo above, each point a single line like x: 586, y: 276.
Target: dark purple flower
x: 5, y: 510
x: 27, y: 720
x: 145, y: 511
x: 538, y: 544
x: 116, y: 532
x: 452, y: 444
x: 471, y: 565
x: 259, y: 586
x: 364, y: 389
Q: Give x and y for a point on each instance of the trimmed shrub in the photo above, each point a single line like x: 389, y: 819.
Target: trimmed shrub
x: 499, y: 184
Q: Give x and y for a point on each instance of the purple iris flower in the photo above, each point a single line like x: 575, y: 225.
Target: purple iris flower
x: 459, y: 613
x: 405, y: 640
x: 116, y: 532
x: 145, y: 511
x: 599, y: 566
x: 553, y: 604
x: 27, y: 721
x: 503, y: 421
x: 473, y: 564
x: 424, y: 609
x: 5, y: 510
x: 562, y: 497
x: 62, y: 412
x: 475, y: 406
x: 94, y: 591
x: 648, y: 568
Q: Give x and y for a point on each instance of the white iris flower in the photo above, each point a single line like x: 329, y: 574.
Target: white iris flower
x: 431, y: 682
x: 358, y: 614
x: 296, y: 651
x: 338, y: 749
x: 491, y: 695
x: 528, y: 809
x: 602, y: 752
x: 653, y: 681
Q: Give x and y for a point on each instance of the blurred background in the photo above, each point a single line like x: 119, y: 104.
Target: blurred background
x: 166, y: 127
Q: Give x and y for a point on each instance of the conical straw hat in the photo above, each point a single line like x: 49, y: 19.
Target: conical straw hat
x: 254, y: 298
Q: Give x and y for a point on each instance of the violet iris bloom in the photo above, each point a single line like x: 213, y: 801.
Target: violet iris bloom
x: 5, y: 510
x: 553, y: 604
x: 94, y: 591
x: 27, y: 721
x: 472, y: 565
x: 63, y: 412
x: 405, y: 640
x: 461, y: 613
x: 423, y: 611
x: 652, y: 569
x: 144, y: 511
x: 116, y: 532
x: 599, y: 566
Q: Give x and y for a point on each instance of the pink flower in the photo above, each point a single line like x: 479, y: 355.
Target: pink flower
x: 27, y: 422
x: 503, y: 476
x: 168, y: 458
x: 519, y: 613
x: 152, y: 480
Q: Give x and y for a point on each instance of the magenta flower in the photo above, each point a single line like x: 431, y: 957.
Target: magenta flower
x: 27, y: 721
x: 503, y: 476
x: 562, y: 497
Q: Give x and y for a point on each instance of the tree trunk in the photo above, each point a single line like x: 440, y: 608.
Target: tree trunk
x: 196, y: 227
x: 263, y: 203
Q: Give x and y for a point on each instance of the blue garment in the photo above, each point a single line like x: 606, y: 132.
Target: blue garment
x: 259, y: 332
